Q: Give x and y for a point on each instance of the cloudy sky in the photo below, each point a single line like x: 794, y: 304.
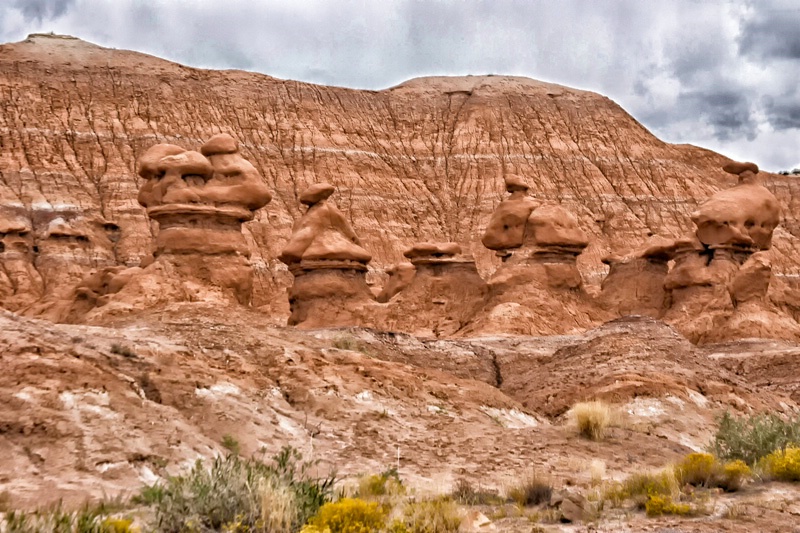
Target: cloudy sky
x: 720, y: 74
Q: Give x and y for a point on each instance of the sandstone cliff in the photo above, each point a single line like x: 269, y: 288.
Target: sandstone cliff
x: 422, y: 161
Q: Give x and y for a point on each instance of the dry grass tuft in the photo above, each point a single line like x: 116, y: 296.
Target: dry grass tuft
x: 531, y: 489
x: 278, y: 506
x: 593, y: 418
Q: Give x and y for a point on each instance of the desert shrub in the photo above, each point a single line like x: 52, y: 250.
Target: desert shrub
x: 149, y: 495
x: 466, y: 494
x: 279, y: 509
x: 751, y: 438
x: 532, y: 489
x: 123, y: 350
x: 231, y: 444
x: 232, y: 494
x: 56, y: 519
x: 782, y: 464
x: 346, y: 341
x: 697, y: 469
x: 659, y: 504
x: 383, y: 484
x: 592, y: 418
x: 348, y: 515
x: 640, y: 487
x: 733, y: 475
x: 703, y: 469
x: 440, y: 515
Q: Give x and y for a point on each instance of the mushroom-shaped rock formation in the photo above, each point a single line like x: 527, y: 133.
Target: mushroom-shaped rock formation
x: 719, y: 281
x: 506, y: 229
x: 20, y: 282
x: 538, y: 288
x: 199, y: 200
x: 328, y: 263
x: 635, y: 282
x: 444, y: 294
x: 742, y: 217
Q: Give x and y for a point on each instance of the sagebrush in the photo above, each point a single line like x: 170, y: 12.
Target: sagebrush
x: 750, y: 438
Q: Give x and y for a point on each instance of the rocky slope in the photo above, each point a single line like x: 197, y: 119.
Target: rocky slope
x: 422, y: 161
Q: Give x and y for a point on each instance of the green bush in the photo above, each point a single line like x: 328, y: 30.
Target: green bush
x: 783, y: 465
x: 230, y: 443
x: 386, y: 483
x: 232, y: 494
x: 348, y: 515
x: 751, y: 438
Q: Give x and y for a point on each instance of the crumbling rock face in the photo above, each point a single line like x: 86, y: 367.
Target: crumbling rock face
x: 328, y: 263
x: 635, y: 282
x: 398, y: 277
x: 420, y: 161
x: 20, y: 282
x: 442, y: 296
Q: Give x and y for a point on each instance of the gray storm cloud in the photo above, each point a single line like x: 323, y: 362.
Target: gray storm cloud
x: 718, y: 74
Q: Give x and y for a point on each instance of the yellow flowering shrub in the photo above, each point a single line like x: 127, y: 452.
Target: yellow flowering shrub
x: 733, y: 475
x: 348, y: 515
x: 696, y: 469
x: 703, y: 469
x: 783, y: 465
x: 658, y: 505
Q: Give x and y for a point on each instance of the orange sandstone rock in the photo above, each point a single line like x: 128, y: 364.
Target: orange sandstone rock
x: 328, y: 264
x: 443, y: 295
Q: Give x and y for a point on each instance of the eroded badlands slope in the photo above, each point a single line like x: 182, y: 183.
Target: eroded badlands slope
x: 422, y: 161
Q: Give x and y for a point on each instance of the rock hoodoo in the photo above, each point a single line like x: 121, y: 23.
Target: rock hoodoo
x: 717, y: 288
x: 506, y: 229
x: 199, y: 200
x: 443, y: 295
x: 328, y: 263
x: 538, y: 288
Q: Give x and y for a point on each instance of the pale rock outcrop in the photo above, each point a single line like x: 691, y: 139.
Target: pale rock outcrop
x: 328, y: 263
x: 444, y: 294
